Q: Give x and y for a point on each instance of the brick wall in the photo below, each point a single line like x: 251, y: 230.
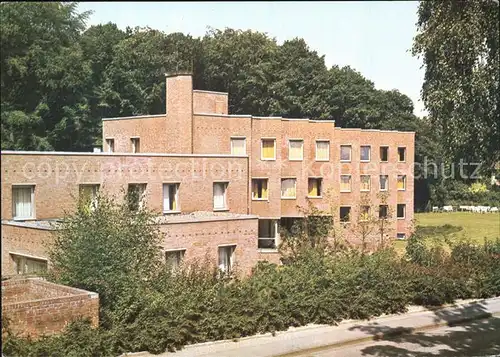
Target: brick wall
x: 22, y: 240
x: 57, y: 179
x: 202, y: 239
x: 36, y: 307
x: 210, y: 102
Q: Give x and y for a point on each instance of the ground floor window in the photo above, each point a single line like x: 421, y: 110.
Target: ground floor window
x: 226, y: 258
x: 401, y: 236
x: 268, y: 234
x: 29, y: 265
x: 174, y: 258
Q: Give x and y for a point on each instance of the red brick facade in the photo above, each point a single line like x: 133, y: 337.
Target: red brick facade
x: 191, y: 145
x: 36, y: 307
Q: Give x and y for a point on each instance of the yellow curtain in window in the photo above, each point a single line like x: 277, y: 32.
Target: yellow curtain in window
x: 268, y: 149
x: 255, y: 189
x: 345, y: 183
x: 401, y: 182
x: 313, y: 188
x: 365, y: 182
x: 264, y: 188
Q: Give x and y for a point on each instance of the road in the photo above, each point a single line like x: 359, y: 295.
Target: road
x: 477, y: 338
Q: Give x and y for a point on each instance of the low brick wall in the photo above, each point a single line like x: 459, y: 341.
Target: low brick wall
x: 36, y: 307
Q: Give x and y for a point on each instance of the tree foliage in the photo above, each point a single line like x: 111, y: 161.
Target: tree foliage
x: 459, y: 44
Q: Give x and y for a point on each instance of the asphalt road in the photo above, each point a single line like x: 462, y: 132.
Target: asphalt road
x: 477, y: 338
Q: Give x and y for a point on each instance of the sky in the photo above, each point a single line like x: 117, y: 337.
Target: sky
x: 373, y: 37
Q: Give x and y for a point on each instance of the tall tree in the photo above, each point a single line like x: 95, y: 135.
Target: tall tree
x: 458, y: 41
x: 43, y: 76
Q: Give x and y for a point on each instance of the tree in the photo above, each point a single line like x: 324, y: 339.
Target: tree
x: 107, y: 249
x: 459, y: 44
x: 43, y: 76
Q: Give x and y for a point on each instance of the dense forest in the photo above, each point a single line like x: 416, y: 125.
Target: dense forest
x: 59, y: 78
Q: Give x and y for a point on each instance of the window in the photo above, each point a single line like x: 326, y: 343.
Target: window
x: 401, y: 210
x: 364, y: 214
x: 401, y: 236
x: 345, y: 183
x: 345, y: 152
x: 88, y: 196
x: 268, y: 149
x: 259, y: 189
x: 268, y: 233
x: 322, y: 150
x: 220, y: 199
x: 226, y: 258
x: 29, y: 265
x: 345, y: 214
x: 295, y: 150
x: 384, y: 182
x: 135, y: 195
x: 288, y: 188
x: 136, y: 147
x: 174, y: 258
x: 314, y: 189
x: 402, y: 154
x: 384, y: 153
x: 365, y: 183
x: 23, y: 202
x: 238, y: 146
x: 383, y: 211
x: 401, y: 182
x: 111, y: 145
x: 171, y: 197
x: 364, y: 153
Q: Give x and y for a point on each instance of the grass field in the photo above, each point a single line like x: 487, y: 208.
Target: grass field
x: 475, y: 226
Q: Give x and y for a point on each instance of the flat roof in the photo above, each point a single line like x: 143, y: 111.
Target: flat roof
x: 202, y: 216
x: 44, y: 224
x: 142, y: 154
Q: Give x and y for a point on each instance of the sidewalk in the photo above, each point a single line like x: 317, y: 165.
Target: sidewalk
x: 347, y: 332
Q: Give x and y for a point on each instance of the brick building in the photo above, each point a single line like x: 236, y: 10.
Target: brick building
x: 222, y: 184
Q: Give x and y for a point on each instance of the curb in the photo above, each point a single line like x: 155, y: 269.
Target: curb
x: 391, y: 334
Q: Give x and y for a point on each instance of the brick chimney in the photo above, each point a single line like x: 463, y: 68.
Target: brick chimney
x: 179, y: 103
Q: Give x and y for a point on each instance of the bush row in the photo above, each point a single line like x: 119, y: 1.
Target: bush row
x: 197, y: 305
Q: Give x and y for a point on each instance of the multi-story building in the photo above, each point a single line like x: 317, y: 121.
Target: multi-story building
x: 222, y: 184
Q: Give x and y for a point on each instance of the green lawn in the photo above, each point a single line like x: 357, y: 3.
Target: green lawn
x: 475, y: 226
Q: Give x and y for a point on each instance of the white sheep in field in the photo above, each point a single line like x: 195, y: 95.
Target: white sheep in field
x: 448, y: 208
x: 494, y: 209
x: 435, y: 209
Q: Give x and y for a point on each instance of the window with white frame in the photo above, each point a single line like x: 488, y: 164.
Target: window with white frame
x: 268, y: 149
x: 136, y: 146
x: 345, y: 183
x: 365, y: 182
x: 401, y: 236
x: 364, y: 153
x: 23, y: 202
x: 314, y: 187
x: 384, y: 182
x: 383, y: 211
x: 173, y: 258
x: 110, y: 143
x: 171, y: 197
x: 401, y: 210
x: 28, y: 265
x: 238, y: 146
x: 322, y: 150
x: 345, y: 214
x: 88, y: 196
x: 401, y: 182
x: 288, y: 188
x: 401, y: 154
x: 384, y: 153
x: 220, y: 193
x: 226, y: 258
x: 136, y: 196
x: 259, y: 189
x: 295, y: 150
x: 268, y: 234
x: 345, y: 152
